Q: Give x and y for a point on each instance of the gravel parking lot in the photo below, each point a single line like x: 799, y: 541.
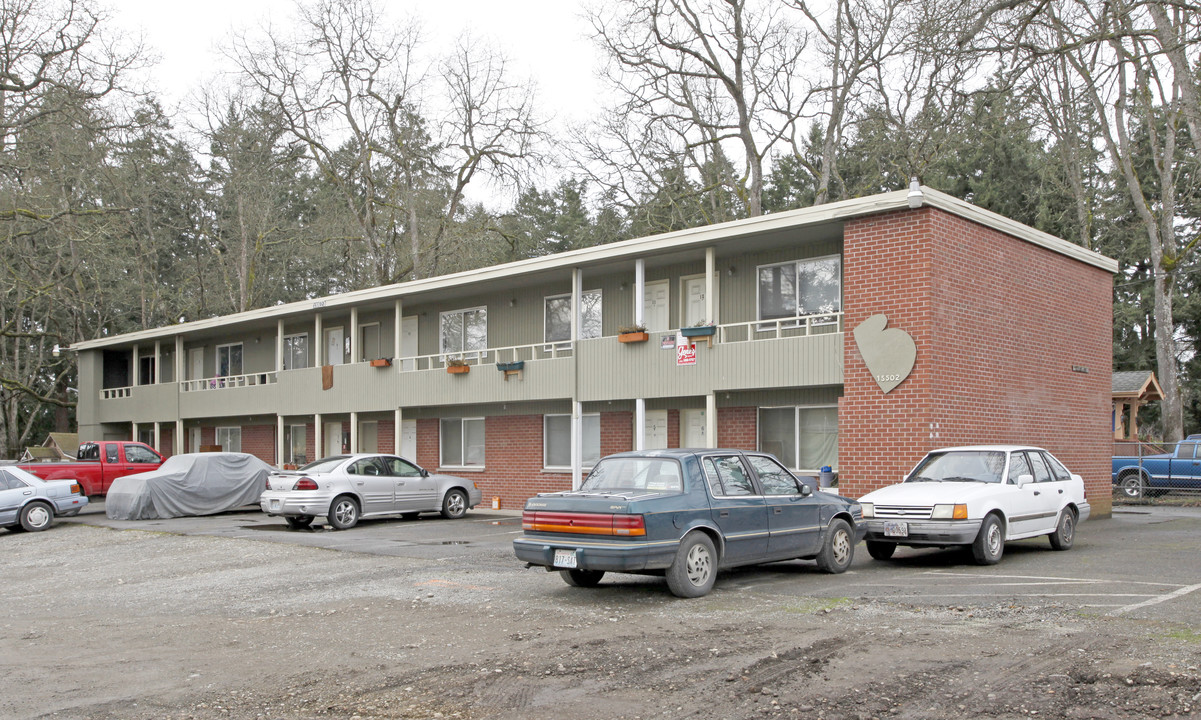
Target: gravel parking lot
x: 233, y: 617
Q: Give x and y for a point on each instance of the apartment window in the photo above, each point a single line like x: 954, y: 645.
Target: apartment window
x: 804, y: 438
x: 557, y: 325
x: 296, y: 351
x: 230, y: 439
x: 229, y: 360
x: 462, y: 442
x: 464, y: 331
x: 801, y: 288
x: 556, y: 450
x: 296, y: 444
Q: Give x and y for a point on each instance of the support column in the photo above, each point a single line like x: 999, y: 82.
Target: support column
x: 158, y: 437
x: 179, y: 359
x: 639, y: 293
x: 639, y: 424
x: 136, y: 367
x: 577, y: 445
x: 318, y: 448
x: 577, y: 408
x: 177, y: 443
x: 576, y: 283
x: 354, y: 348
x: 710, y: 271
x: 279, y: 441
x: 354, y: 431
x: 396, y: 336
x: 397, y: 420
x: 279, y: 346
x: 711, y: 420
x: 318, y: 343
x: 158, y: 356
x: 134, y: 432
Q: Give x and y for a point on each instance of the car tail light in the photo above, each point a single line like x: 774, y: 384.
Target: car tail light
x: 305, y: 483
x: 632, y: 525
x: 75, y: 488
x: 583, y: 523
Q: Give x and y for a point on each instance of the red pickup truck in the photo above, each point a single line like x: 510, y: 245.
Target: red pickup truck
x: 98, y: 464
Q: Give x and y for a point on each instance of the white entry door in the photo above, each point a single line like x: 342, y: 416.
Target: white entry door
x: 195, y: 365
x: 408, y: 343
x: 656, y: 430
x: 408, y: 440
x: 193, y: 440
x: 655, y: 306
x: 694, y: 302
x: 333, y: 438
x: 368, y: 436
x: 692, y: 429
x: 335, y: 342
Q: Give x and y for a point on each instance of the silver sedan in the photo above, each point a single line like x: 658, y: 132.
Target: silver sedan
x: 28, y: 502
x: 344, y: 488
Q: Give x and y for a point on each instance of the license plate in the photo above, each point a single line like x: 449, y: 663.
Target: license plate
x: 896, y: 529
x: 275, y: 504
x: 565, y: 558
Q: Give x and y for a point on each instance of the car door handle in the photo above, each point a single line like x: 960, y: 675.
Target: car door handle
x: 1061, y: 492
x: 724, y: 513
x: 358, y: 482
x: 777, y: 510
x: 27, y: 492
x: 1038, y: 492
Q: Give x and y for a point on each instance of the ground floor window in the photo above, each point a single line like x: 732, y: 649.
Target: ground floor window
x: 230, y: 439
x: 462, y: 442
x: 556, y: 443
x: 804, y: 438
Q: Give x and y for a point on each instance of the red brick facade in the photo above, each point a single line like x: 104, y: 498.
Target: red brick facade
x: 1013, y: 346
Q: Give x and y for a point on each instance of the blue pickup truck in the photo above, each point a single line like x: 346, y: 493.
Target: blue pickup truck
x: 1153, y: 475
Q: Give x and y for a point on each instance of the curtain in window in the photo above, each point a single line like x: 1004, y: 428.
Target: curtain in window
x: 818, y: 438
x: 777, y: 434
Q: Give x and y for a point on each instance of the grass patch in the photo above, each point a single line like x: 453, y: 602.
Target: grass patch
x: 809, y: 606
x: 1187, y: 636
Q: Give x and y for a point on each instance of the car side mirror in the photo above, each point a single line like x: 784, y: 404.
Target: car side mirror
x: 1025, y: 480
x: 806, y: 491
x: 425, y: 473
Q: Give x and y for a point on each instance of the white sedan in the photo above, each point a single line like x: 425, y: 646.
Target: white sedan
x: 977, y: 496
x: 344, y: 488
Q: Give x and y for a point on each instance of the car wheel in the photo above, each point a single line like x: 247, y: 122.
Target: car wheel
x: 694, y: 570
x: 343, y: 513
x: 839, y: 548
x: 1065, y: 531
x: 1131, y: 486
x: 36, y: 516
x: 582, y: 578
x: 990, y: 543
x: 880, y: 550
x: 454, y: 505
x: 298, y: 522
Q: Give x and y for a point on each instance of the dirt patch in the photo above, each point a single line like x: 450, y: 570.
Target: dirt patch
x: 135, y: 625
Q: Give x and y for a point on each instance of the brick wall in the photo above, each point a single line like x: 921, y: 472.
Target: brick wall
x: 737, y: 428
x: 259, y: 440
x: 999, y: 325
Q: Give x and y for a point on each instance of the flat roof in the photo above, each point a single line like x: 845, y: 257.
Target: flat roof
x: 698, y: 237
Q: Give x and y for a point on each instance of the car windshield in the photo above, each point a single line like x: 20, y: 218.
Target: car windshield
x: 325, y: 465
x: 960, y: 466
x: 634, y: 474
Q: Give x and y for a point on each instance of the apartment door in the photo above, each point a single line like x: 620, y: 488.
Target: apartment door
x: 193, y: 440
x: 408, y: 439
x: 195, y: 364
x: 368, y: 436
x: 655, y: 437
x: 692, y: 429
x: 332, y: 433
x: 408, y: 342
x: 335, y: 342
x: 694, y: 302
x: 655, y: 305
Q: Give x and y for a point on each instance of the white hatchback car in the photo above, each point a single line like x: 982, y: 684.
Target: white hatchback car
x: 978, y: 496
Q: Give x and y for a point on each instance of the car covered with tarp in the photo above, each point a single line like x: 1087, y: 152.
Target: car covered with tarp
x: 189, y: 484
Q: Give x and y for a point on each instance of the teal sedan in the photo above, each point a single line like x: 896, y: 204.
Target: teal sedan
x: 685, y: 514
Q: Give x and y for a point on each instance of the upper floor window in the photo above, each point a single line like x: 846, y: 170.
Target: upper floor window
x: 296, y: 351
x: 558, y: 316
x: 463, y: 331
x: 797, y: 289
x: 229, y: 360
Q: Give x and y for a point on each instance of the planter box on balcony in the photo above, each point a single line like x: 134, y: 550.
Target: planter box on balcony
x: 458, y: 369
x: 511, y: 366
x: 699, y: 331
x: 381, y: 362
x: 635, y: 337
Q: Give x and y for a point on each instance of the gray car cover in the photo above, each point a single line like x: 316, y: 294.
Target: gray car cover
x: 189, y: 484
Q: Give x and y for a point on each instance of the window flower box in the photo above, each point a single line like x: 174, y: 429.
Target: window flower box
x: 507, y: 367
x: 381, y: 362
x: 699, y: 331
x: 457, y: 367
x: 632, y: 334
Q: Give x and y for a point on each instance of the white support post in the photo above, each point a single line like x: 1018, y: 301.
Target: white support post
x: 354, y: 431
x: 577, y: 445
x: 398, y: 423
x: 279, y: 441
x: 279, y: 346
x: 354, y: 346
x: 135, y: 432
x: 639, y: 424
x: 318, y: 344
x: 639, y: 293
x: 711, y: 420
x: 576, y: 282
x: 136, y: 369
x: 318, y: 448
x: 179, y: 363
x: 710, y: 271
x: 396, y: 345
x: 158, y: 437
x: 158, y: 375
x: 177, y: 441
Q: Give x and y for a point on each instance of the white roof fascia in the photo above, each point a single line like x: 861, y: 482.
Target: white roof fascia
x: 638, y: 247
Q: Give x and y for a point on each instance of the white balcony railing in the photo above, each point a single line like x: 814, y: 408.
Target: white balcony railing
x: 115, y: 393
x: 230, y: 381
x: 781, y: 328
x: 487, y: 356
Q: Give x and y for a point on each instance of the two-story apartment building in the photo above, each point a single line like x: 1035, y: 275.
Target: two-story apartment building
x: 857, y: 334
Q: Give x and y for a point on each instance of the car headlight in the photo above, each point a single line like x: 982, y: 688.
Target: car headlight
x: 949, y: 512
x: 869, y: 509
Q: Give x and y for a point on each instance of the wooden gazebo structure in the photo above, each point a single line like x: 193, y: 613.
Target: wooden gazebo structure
x: 1131, y: 390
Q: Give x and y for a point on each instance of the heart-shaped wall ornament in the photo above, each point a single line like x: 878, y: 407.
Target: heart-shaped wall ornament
x: 889, y: 354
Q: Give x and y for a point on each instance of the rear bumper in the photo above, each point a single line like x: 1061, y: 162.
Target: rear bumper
x: 1085, y: 510
x: 928, y: 532
x: 591, y: 554
x: 70, y: 505
x: 274, y: 502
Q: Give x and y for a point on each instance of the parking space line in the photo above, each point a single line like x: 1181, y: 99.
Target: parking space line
x: 1156, y: 600
x: 976, y: 576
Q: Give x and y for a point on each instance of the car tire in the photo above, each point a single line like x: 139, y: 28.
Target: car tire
x: 838, y: 550
x: 694, y: 570
x: 454, y: 505
x: 343, y: 513
x: 1065, y: 531
x: 881, y: 550
x: 582, y: 578
x: 989, y: 545
x: 36, y: 516
x: 1131, y: 486
x: 298, y: 522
